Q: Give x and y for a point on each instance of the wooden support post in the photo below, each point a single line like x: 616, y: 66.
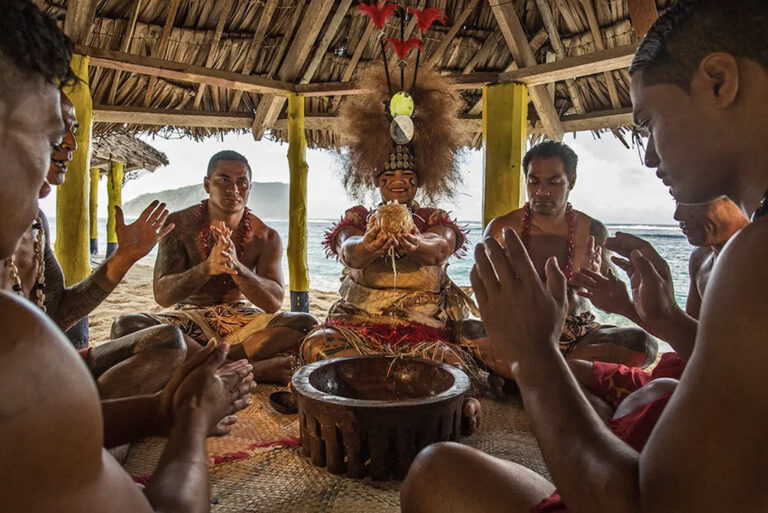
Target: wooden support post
x: 72, y: 233
x: 297, y: 226
x: 115, y: 199
x: 94, y: 206
x: 505, y: 113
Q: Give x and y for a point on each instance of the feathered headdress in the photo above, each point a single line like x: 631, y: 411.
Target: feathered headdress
x: 417, y: 127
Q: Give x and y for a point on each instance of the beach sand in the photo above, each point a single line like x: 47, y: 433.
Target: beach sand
x: 134, y: 294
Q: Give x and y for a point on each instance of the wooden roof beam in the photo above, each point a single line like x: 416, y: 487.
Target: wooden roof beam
x: 183, y: 72
x: 125, y: 46
x: 78, y: 19
x: 451, y: 34
x: 162, y: 46
x: 325, y: 42
x: 597, y: 38
x: 597, y: 120
x: 554, y: 38
x: 226, y: 7
x: 269, y: 107
x: 642, y: 13
x: 409, y: 28
x: 513, y: 32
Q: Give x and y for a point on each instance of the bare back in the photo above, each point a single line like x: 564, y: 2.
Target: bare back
x: 52, y: 458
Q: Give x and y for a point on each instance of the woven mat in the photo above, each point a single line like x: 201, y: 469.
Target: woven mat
x: 249, y: 475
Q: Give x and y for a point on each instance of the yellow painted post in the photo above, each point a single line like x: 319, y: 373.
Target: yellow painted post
x: 114, y: 199
x: 505, y: 129
x: 93, y: 209
x: 297, y: 206
x: 72, y: 233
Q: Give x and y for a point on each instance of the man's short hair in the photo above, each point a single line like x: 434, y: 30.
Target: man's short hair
x: 547, y: 149
x: 227, y: 155
x: 690, y: 30
x: 31, y: 45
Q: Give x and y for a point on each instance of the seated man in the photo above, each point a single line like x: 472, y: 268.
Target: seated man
x: 220, y: 267
x: 699, y: 83
x: 708, y: 227
x: 140, y: 363
x: 549, y: 226
x: 51, y: 430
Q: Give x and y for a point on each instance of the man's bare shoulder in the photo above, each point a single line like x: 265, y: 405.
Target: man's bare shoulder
x: 511, y: 219
x: 263, y: 232
x: 184, y: 219
x: 596, y: 227
x: 698, y: 256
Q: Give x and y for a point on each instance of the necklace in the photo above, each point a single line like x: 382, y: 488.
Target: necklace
x: 243, y: 230
x: 570, y: 217
x: 38, y: 289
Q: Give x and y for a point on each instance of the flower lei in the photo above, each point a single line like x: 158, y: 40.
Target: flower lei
x: 38, y: 289
x: 570, y: 217
x: 243, y: 230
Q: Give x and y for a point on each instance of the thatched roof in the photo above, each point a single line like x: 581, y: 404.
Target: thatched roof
x: 138, y: 156
x: 260, y: 50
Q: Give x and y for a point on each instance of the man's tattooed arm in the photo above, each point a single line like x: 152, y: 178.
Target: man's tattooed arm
x: 173, y: 282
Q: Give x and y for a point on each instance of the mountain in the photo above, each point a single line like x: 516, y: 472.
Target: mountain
x: 267, y: 200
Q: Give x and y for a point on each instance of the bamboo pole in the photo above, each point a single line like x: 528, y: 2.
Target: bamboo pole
x: 115, y: 199
x: 297, y: 227
x: 72, y: 233
x: 94, y: 206
x: 505, y: 113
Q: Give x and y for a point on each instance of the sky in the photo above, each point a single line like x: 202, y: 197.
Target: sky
x: 612, y: 185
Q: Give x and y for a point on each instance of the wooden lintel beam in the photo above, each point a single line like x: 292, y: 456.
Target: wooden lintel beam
x: 125, y: 46
x: 226, y: 7
x: 617, y: 57
x: 161, y: 47
x: 227, y: 120
x: 642, y: 14
x: 517, y: 41
x: 457, y: 24
x: 183, y: 72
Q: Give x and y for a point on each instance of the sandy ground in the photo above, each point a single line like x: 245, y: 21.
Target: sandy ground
x: 134, y: 294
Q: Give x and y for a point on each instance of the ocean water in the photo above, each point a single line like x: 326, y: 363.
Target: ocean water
x: 325, y: 273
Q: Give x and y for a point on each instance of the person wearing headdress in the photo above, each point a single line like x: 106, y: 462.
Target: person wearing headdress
x: 396, y: 297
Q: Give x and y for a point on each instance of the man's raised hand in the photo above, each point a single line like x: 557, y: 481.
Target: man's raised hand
x: 608, y: 293
x: 137, y: 239
x: 522, y: 315
x: 220, y: 261
x: 376, y: 241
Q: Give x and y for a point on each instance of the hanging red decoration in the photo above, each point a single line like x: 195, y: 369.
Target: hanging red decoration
x: 426, y: 17
x: 402, y: 48
x: 378, y: 13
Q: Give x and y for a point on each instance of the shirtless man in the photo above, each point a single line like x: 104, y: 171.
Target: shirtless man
x: 699, y: 83
x: 220, y: 266
x: 708, y: 227
x: 51, y: 426
x: 140, y: 363
x: 546, y: 225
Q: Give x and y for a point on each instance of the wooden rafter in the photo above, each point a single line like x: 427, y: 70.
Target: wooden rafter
x: 517, y: 42
x: 554, y: 38
x: 253, y: 50
x: 642, y: 13
x: 78, y: 20
x: 270, y: 107
x: 226, y: 7
x: 455, y: 28
x: 610, y: 119
x: 125, y: 45
x: 597, y: 38
x: 160, y: 49
x: 109, y: 59
x: 325, y: 42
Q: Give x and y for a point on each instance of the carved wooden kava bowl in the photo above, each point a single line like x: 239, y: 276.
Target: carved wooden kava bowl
x: 371, y: 415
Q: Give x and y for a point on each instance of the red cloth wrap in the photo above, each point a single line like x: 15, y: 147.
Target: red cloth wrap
x: 423, y: 218
x: 610, y: 381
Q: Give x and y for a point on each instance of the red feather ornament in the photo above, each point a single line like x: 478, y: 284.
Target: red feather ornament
x: 378, y: 14
x: 402, y: 48
x: 428, y: 16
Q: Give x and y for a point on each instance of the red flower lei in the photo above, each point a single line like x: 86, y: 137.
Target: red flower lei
x: 570, y: 217
x: 243, y: 230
